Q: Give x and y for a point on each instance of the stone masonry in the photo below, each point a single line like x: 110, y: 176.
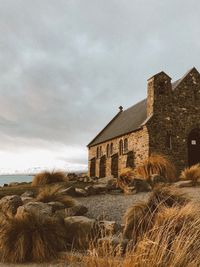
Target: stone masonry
x: 172, y: 117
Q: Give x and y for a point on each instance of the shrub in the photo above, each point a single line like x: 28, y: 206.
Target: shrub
x: 140, y: 217
x: 53, y: 194
x: 47, y: 177
x: 192, y: 173
x: 125, y: 179
x: 26, y: 238
x: 157, y: 164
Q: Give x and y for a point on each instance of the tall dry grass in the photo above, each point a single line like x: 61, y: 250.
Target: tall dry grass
x: 157, y: 164
x: 27, y: 238
x: 46, y: 177
x: 169, y: 235
x: 53, y: 194
x: 191, y: 173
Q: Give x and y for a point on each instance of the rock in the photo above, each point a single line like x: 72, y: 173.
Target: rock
x: 13, y: 184
x: 68, y: 191
x: 72, y: 176
x: 109, y: 182
x: 9, y: 204
x: 90, y: 190
x: 86, y: 179
x: 81, y: 192
x: 56, y: 206
x: 141, y: 185
x: 5, y: 185
x: 80, y: 231
x: 26, y: 200
x: 155, y: 179
x: 77, y: 210
x: 113, y: 244
x: 40, y: 209
x: 183, y: 184
x: 28, y: 194
x: 116, y: 192
x: 109, y: 227
x: 100, y: 188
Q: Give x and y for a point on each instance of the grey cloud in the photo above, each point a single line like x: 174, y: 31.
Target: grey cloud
x: 66, y: 66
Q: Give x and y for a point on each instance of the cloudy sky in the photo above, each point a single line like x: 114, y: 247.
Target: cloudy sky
x: 67, y: 65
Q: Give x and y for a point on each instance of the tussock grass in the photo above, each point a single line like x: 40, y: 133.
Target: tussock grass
x: 157, y: 164
x: 53, y: 194
x: 192, y: 173
x: 141, y: 217
x: 169, y: 234
x: 125, y: 179
x: 47, y: 177
x: 27, y: 238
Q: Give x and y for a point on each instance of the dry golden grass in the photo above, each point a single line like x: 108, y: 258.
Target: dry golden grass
x: 125, y: 179
x: 47, y: 177
x: 141, y: 217
x: 192, y: 173
x: 53, y: 194
x: 26, y: 238
x: 157, y: 164
x: 168, y: 237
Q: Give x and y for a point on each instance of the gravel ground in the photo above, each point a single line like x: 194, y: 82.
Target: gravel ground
x: 110, y: 207
x: 113, y: 207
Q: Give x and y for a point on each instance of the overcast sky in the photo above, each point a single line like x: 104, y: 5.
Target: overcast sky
x: 67, y: 65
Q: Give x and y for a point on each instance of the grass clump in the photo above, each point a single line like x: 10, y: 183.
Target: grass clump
x: 157, y: 164
x: 47, y: 177
x: 27, y: 238
x: 53, y: 194
x: 191, y: 173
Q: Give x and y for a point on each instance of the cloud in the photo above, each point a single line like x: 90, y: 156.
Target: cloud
x: 66, y: 66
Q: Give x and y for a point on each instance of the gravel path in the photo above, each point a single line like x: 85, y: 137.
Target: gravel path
x: 110, y: 207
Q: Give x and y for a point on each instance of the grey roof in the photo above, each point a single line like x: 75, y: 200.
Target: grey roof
x: 124, y: 122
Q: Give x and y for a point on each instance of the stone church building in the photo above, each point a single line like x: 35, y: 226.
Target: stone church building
x: 166, y: 122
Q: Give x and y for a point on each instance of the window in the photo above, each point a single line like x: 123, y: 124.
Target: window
x: 100, y: 151
x: 126, y: 145
x: 111, y: 148
x: 97, y: 152
x: 108, y: 150
x: 120, y: 147
x: 169, y: 141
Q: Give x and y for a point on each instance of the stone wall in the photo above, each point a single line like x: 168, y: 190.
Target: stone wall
x: 138, y: 142
x: 177, y: 113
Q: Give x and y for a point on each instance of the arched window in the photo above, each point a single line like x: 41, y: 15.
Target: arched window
x: 100, y: 151
x: 126, y: 145
x: 111, y: 148
x: 121, y: 147
x: 169, y: 141
x: 97, y: 152
x: 108, y: 150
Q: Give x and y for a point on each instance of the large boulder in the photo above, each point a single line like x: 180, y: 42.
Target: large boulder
x: 55, y: 205
x: 9, y: 204
x: 81, y: 192
x: 40, y: 209
x: 80, y: 231
x: 26, y: 200
x: 100, y: 188
x: 70, y: 191
x: 90, y: 190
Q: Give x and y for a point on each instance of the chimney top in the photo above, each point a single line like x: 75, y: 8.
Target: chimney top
x: 120, y: 108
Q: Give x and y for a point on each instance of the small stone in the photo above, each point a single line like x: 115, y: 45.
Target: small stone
x: 28, y: 194
x: 77, y: 210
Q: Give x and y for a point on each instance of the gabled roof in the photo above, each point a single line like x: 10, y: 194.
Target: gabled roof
x: 126, y: 121
x: 131, y: 119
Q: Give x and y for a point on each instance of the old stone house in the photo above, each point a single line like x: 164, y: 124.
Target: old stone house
x: 167, y: 122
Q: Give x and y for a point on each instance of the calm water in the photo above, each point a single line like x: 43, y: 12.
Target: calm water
x: 6, y: 179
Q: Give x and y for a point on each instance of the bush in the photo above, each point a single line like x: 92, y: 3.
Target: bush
x: 192, y: 173
x: 47, y: 177
x: 53, y: 194
x: 140, y: 217
x: 125, y: 179
x: 26, y: 238
x: 157, y: 164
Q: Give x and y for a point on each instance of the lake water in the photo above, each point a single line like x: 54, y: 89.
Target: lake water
x: 6, y: 179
